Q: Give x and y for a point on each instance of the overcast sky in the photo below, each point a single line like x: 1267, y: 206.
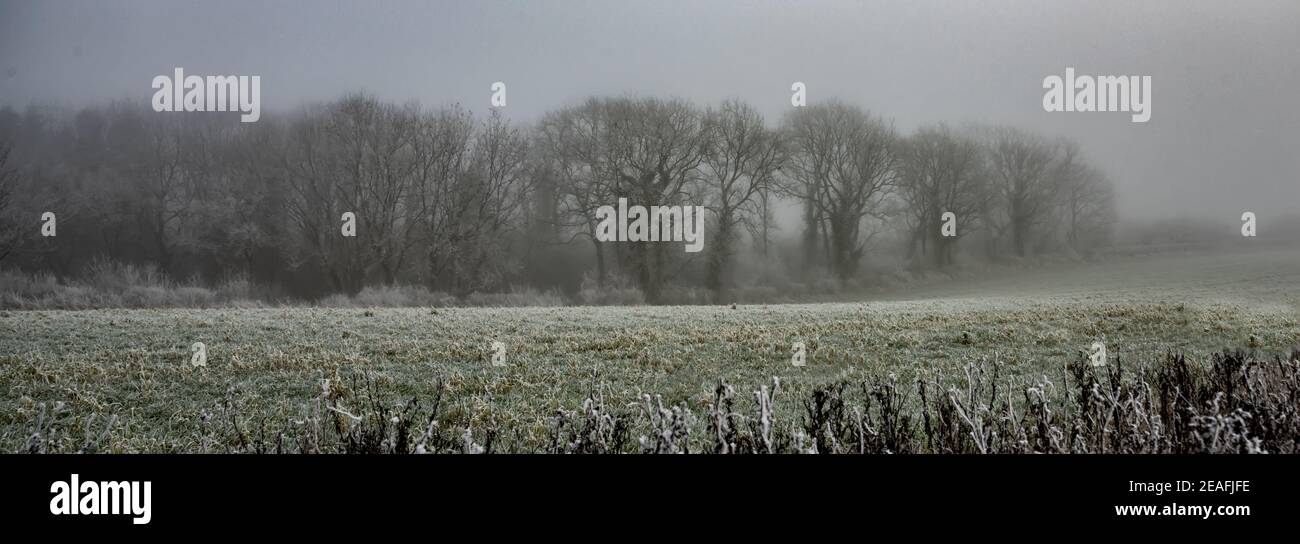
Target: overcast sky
x: 1224, y: 134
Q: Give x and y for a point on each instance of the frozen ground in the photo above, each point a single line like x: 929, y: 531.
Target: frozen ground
x: 136, y: 364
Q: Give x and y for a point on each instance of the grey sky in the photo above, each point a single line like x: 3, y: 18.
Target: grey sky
x: 1224, y: 135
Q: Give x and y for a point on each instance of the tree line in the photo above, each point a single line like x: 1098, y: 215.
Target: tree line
x: 463, y: 203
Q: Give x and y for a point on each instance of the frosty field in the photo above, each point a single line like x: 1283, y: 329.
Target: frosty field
x: 134, y: 365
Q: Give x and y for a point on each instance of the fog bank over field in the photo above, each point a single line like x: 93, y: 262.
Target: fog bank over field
x: 1222, y: 136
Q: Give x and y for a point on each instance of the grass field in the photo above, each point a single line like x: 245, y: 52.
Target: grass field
x: 131, y: 369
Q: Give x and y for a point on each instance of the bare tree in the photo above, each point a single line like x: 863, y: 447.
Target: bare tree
x: 655, y: 149
x: 375, y: 141
x: 314, y: 171
x: 1021, y: 171
x: 843, y: 166
x: 460, y: 203
x: 471, y: 184
x: 574, y: 143
x: 443, y: 147
x: 1088, y: 208
x: 157, y: 167
x: 488, y: 200
x: 941, y: 172
x: 741, y: 160
x: 250, y: 196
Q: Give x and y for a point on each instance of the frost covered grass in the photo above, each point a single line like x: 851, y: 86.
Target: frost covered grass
x: 132, y: 367
x: 121, y: 380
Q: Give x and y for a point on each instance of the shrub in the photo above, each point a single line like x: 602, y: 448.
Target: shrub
x: 1236, y: 403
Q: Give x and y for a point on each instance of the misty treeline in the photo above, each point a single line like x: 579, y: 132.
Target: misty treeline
x: 458, y: 203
